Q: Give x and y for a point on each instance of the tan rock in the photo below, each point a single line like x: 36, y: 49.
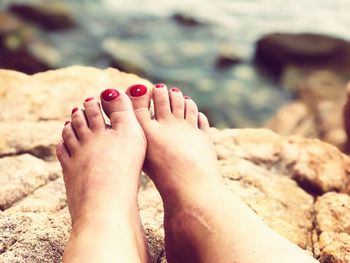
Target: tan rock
x: 317, y: 166
x: 278, y: 177
x: 151, y: 211
x: 37, y: 138
x: 269, y: 195
x: 293, y: 119
x: 318, y: 113
x: 21, y: 175
x: 48, y: 198
x: 33, y: 237
x: 53, y: 94
x: 333, y: 227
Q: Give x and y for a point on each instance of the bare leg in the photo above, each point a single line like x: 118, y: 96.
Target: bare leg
x: 204, y: 222
x: 101, y: 168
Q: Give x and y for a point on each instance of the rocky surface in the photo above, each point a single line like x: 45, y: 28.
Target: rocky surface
x: 299, y: 187
x: 318, y: 110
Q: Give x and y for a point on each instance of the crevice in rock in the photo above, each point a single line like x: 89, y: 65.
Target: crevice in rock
x: 308, y: 186
x: 4, y: 208
x: 41, y: 152
x: 161, y: 256
x: 314, y: 230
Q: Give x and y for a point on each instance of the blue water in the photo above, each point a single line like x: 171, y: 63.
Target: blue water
x: 143, y: 32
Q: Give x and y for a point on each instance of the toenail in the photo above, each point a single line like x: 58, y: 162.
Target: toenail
x: 88, y: 99
x: 175, y: 90
x: 74, y: 110
x: 159, y: 85
x: 138, y: 90
x: 187, y: 97
x: 110, y: 94
x: 67, y: 122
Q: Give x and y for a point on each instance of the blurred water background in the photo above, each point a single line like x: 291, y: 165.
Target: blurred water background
x: 180, y: 43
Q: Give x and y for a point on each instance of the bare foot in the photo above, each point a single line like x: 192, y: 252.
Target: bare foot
x: 101, y: 168
x: 204, y: 222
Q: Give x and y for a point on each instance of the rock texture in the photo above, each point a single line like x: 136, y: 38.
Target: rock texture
x: 299, y: 187
x: 318, y: 111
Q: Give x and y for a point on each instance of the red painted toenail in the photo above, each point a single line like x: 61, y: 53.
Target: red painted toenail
x: 88, y: 99
x: 187, y: 97
x: 138, y: 90
x: 74, y: 110
x: 67, y: 122
x: 110, y: 94
x: 159, y: 85
x: 175, y: 90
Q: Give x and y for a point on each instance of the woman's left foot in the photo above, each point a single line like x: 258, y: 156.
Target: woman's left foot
x: 101, y: 168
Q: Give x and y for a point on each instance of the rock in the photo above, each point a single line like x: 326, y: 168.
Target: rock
x: 278, y: 50
x: 318, y: 110
x: 40, y: 142
x: 33, y: 237
x: 16, y: 43
x: 151, y: 211
x: 278, y: 177
x: 49, y: 15
x: 9, y: 23
x: 126, y: 56
x: 21, y: 175
x: 187, y: 20
x: 346, y: 117
x: 316, y: 166
x: 49, y: 198
x: 268, y: 194
x: 227, y: 56
x: 293, y: 119
x: 42, y: 97
x: 333, y: 227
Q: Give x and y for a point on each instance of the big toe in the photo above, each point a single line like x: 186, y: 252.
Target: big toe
x: 140, y: 99
x: 117, y: 106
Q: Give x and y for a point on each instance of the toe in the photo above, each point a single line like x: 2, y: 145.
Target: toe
x: 140, y: 99
x: 117, y: 106
x: 80, y: 124
x: 177, y: 103
x: 62, y: 154
x: 161, y: 102
x: 191, y: 111
x: 94, y: 114
x: 203, y: 122
x: 70, y: 139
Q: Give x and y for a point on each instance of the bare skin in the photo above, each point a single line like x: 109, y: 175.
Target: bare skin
x: 101, y: 167
x: 204, y: 222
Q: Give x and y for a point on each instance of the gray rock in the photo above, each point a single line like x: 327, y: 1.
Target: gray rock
x: 277, y: 50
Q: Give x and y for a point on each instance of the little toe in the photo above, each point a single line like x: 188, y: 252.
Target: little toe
x: 70, y: 139
x: 62, y: 154
x: 203, y: 122
x: 177, y: 103
x: 140, y: 99
x: 161, y: 102
x: 191, y: 111
x: 117, y: 106
x: 94, y: 114
x: 80, y: 124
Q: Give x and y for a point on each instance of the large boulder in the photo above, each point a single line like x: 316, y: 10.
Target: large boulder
x: 318, y: 111
x: 277, y: 50
x: 280, y: 178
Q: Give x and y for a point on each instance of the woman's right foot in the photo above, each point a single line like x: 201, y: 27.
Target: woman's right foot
x: 204, y: 222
